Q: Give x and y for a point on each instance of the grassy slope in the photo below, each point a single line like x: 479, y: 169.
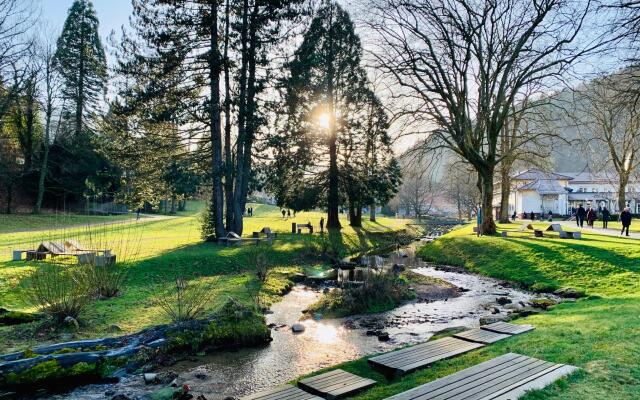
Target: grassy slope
x: 600, y: 334
x: 158, y: 250
x: 28, y: 222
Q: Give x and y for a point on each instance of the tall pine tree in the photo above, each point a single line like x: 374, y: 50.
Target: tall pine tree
x: 81, y: 61
x: 334, y: 146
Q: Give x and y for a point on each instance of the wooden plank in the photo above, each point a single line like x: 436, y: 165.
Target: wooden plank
x: 402, y: 361
x: 507, y: 377
x: 335, y: 384
x: 286, y: 392
x: 481, y: 336
x: 507, y: 328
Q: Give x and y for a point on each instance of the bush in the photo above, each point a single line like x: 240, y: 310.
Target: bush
x: 260, y: 257
x: 106, y: 281
x: 379, y: 292
x: 185, y: 300
x: 59, y: 293
x: 234, y: 325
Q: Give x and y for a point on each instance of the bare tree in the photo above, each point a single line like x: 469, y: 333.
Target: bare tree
x: 607, y: 116
x: 50, y: 85
x: 460, y: 188
x: 418, y: 192
x: 460, y: 65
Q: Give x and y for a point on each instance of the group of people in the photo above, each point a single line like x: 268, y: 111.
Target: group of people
x: 249, y: 211
x: 591, y: 216
x: 287, y: 213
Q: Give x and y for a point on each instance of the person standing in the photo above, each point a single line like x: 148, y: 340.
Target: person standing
x: 580, y: 214
x: 533, y: 216
x: 550, y: 216
x: 288, y: 213
x: 283, y: 213
x: 625, y: 218
x: 322, y: 225
x: 606, y: 215
x: 591, y: 217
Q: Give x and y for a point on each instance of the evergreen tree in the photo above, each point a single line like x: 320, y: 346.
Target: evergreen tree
x: 81, y: 61
x: 334, y: 146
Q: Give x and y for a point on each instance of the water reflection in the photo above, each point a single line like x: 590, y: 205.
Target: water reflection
x: 323, y: 343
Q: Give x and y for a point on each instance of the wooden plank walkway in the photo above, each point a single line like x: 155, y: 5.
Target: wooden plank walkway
x: 507, y: 328
x: 409, y: 359
x: 507, y: 377
x: 335, y: 384
x: 481, y: 336
x: 286, y: 392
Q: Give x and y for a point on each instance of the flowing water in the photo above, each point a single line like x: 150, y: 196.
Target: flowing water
x: 323, y: 343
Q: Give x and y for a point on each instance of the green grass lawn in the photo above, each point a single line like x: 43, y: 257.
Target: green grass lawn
x: 29, y: 222
x: 158, y: 250
x: 600, y: 333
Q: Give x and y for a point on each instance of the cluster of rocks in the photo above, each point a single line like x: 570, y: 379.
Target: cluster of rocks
x: 505, y: 309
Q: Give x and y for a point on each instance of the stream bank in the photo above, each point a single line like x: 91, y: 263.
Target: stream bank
x: 325, y: 342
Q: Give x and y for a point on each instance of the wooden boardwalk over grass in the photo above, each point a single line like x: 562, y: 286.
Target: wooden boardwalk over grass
x: 507, y: 377
x: 481, y: 336
x: 411, y: 358
x: 335, y: 384
x: 287, y: 392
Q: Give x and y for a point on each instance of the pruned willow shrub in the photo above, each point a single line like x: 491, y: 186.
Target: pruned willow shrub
x: 185, y: 300
x: 59, y: 292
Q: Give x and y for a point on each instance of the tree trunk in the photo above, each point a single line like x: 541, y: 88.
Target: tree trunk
x: 215, y: 67
x: 228, y: 159
x: 355, y: 215
x: 45, y: 161
x: 372, y: 212
x: 9, y: 188
x: 622, y: 188
x: 250, y: 121
x: 238, y: 207
x: 333, y: 200
x: 488, y: 225
x: 505, y: 191
x: 81, y: 75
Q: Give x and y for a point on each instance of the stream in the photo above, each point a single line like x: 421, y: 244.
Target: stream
x: 323, y: 343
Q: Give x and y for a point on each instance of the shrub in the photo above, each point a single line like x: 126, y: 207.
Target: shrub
x: 106, y: 281
x: 378, y: 292
x: 59, y: 293
x: 184, y: 300
x: 260, y: 257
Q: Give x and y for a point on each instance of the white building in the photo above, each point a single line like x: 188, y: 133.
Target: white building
x: 540, y: 192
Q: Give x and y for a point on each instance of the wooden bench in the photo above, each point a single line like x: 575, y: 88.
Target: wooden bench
x: 409, y: 359
x: 297, y: 228
x: 335, y: 384
x: 506, y: 377
x: 288, y: 392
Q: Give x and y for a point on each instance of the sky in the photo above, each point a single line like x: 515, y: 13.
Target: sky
x: 111, y: 13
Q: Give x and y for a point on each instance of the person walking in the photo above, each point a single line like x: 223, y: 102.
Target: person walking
x: 533, y: 216
x: 625, y: 219
x: 283, y: 213
x: 606, y: 215
x: 288, y: 213
x: 138, y: 213
x: 580, y: 214
x: 322, y: 225
x: 550, y: 216
x: 591, y: 217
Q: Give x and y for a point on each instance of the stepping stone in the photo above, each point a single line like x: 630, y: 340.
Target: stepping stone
x: 335, y: 384
x: 403, y: 361
x: 288, y: 392
x: 507, y: 328
x: 481, y: 336
x: 507, y: 377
